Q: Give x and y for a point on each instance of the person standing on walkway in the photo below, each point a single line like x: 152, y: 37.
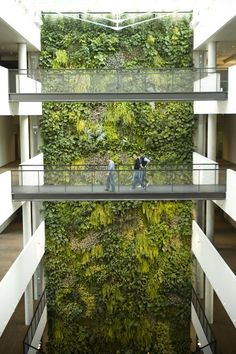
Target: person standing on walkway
x: 143, y: 164
x: 136, y: 174
x: 110, y: 183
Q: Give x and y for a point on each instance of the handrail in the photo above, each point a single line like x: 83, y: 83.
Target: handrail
x: 128, y: 167
x: 34, y: 323
x: 37, y: 351
x: 94, y: 182
x: 140, y: 80
x: 86, y: 175
x: 151, y: 164
x: 93, y: 168
x: 201, y: 349
x: 121, y: 70
x: 204, y: 322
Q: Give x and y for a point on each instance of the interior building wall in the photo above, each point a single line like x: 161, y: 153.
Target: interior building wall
x: 8, y: 139
x: 229, y: 141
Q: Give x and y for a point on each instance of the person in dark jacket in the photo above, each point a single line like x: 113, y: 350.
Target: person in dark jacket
x: 143, y: 164
x: 136, y: 174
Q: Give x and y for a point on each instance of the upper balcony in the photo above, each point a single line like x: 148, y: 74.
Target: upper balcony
x: 20, y: 84
x: 214, y: 21
x: 80, y: 85
x: 13, y: 32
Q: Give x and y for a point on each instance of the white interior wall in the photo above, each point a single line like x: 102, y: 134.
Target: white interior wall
x: 7, y: 206
x: 229, y: 141
x: 228, y: 204
x: 15, y: 281
x: 8, y: 129
x: 223, y: 280
x: 32, y: 171
x: 25, y: 84
x: 4, y: 106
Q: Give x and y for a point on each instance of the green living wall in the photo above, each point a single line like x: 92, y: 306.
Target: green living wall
x: 118, y: 273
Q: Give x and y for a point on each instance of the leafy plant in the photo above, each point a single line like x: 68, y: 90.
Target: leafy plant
x: 118, y: 273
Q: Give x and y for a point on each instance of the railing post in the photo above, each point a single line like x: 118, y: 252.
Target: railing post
x: 93, y: 178
x: 172, y: 179
x: 38, y: 180
x: 215, y: 175
x: 64, y: 180
x: 145, y: 81
x: 198, y: 178
x: 118, y: 180
x: 117, y: 81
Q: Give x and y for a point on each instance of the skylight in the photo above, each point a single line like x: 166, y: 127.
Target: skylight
x: 116, y: 15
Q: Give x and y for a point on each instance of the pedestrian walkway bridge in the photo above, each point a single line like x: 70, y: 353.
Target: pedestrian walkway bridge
x: 87, y: 182
x: 133, y: 85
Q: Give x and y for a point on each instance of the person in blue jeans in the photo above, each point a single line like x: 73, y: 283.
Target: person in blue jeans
x: 136, y: 174
x: 143, y: 164
x: 110, y: 183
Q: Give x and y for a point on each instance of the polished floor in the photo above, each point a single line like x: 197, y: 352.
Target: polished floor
x: 224, y: 331
x: 152, y: 192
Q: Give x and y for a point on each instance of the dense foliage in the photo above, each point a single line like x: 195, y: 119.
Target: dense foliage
x: 118, y: 273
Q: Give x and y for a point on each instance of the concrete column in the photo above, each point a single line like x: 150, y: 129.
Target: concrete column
x: 29, y: 311
x: 39, y: 283
x: 210, y: 219
x: 211, y: 136
x: 24, y: 138
x: 210, y: 210
x: 209, y: 301
x: 24, y: 124
x: 199, y: 281
x: 22, y: 56
x: 212, y: 118
x: 39, y: 274
x: 209, y: 292
x: 199, y: 274
x: 211, y: 49
x: 26, y: 208
x: 201, y: 134
x: 27, y: 232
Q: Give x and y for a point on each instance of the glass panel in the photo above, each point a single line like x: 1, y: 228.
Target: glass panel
x: 92, y: 178
x: 122, y: 81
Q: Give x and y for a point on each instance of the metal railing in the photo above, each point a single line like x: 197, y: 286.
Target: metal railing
x: 205, y: 325
x: 94, y: 81
x: 204, y: 348
x: 32, y: 350
x: 94, y: 176
x: 33, y: 326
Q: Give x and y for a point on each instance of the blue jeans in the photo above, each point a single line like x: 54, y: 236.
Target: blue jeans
x: 143, y: 177
x: 111, y: 181
x: 136, y: 179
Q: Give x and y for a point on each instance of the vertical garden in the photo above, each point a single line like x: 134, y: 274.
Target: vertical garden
x: 118, y: 273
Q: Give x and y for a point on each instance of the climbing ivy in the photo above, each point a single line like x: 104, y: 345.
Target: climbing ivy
x: 118, y: 273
